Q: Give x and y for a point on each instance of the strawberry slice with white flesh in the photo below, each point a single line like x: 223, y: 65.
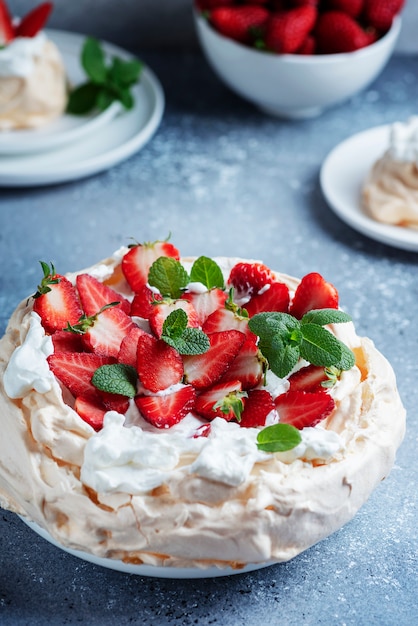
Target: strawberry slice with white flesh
x: 94, y: 295
x: 75, y: 371
x: 206, y: 302
x: 274, y: 298
x: 203, y: 370
x: 129, y: 346
x: 105, y: 331
x: 159, y: 365
x: 248, y: 366
x: 139, y: 258
x: 303, y: 408
x: 224, y: 400
x: 161, y: 310
x: 56, y: 301
x: 166, y: 410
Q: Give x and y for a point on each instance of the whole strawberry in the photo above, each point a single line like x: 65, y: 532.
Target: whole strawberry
x: 286, y: 31
x: 380, y: 13
x: 241, y: 23
x: 353, y: 8
x: 338, y: 32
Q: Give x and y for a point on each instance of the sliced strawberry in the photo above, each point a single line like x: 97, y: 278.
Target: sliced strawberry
x: 65, y: 341
x: 275, y: 298
x: 106, y: 334
x: 258, y: 405
x: 34, y: 21
x: 159, y: 365
x: 164, y: 411
x: 114, y: 402
x: 308, y: 378
x: 225, y: 319
x: 94, y: 295
x: 75, y: 371
x: 248, y: 366
x: 6, y: 24
x: 203, y: 431
x: 206, y: 303
x: 224, y: 400
x: 162, y: 310
x: 303, y: 408
x: 203, y: 370
x: 56, y: 301
x: 250, y: 277
x: 350, y: 7
x: 141, y: 305
x: 129, y: 346
x: 313, y: 292
x: 138, y: 260
x: 91, y: 411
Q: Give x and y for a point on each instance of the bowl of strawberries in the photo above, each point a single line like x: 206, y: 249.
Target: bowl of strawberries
x: 296, y: 58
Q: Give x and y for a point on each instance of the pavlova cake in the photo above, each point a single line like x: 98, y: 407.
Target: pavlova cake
x: 390, y: 192
x: 181, y: 412
x: 33, y: 86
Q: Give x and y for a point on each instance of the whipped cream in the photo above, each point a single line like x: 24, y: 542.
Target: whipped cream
x: 404, y: 140
x: 28, y: 367
x: 18, y: 58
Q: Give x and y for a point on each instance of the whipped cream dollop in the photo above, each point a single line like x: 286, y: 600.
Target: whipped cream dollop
x: 390, y: 192
x: 28, y: 368
x: 33, y: 86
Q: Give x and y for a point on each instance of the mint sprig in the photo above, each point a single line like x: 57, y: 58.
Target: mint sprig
x: 278, y: 438
x: 285, y: 339
x: 106, y: 82
x: 116, y: 378
x: 184, y: 339
x: 168, y: 276
x: 207, y: 272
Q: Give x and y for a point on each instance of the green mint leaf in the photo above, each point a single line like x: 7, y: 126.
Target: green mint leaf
x: 319, y: 346
x: 83, y: 99
x: 281, y: 357
x: 93, y: 61
x: 175, y: 324
x: 125, y: 73
x: 168, y: 276
x: 192, y: 341
x: 116, y: 378
x: 280, y: 337
x: 325, y: 316
x: 278, y: 438
x: 348, y: 359
x: 126, y: 98
x: 207, y: 272
x: 104, y: 99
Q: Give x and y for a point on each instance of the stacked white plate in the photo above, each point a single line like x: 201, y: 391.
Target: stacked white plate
x: 73, y: 147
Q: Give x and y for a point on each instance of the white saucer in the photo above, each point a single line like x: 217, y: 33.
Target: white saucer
x: 94, y: 144
x: 147, y: 570
x: 342, y: 175
x: 68, y: 127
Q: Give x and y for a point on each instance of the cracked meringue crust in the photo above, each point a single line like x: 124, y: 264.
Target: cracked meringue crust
x: 281, y: 509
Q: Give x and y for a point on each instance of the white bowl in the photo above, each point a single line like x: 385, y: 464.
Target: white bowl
x: 290, y: 85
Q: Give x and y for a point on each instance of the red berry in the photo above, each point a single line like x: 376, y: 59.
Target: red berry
x: 309, y: 378
x: 139, y: 258
x: 353, y: 8
x: 302, y: 408
x: 221, y: 400
x: 163, y: 411
x: 161, y: 310
x: 238, y: 22
x: 258, y: 406
x: 105, y: 335
x: 250, y: 277
x: 94, y: 295
x: 275, y: 298
x: 380, y: 13
x: 142, y: 304
x: 313, y: 292
x: 159, y: 365
x: 6, y: 24
x: 75, y: 371
x: 56, y: 302
x: 248, y: 366
x: 286, y: 31
x: 337, y: 32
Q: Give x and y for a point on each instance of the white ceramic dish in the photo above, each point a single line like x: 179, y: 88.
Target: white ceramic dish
x: 146, y: 570
x: 67, y: 128
x: 117, y: 139
x: 342, y: 175
x: 291, y: 85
